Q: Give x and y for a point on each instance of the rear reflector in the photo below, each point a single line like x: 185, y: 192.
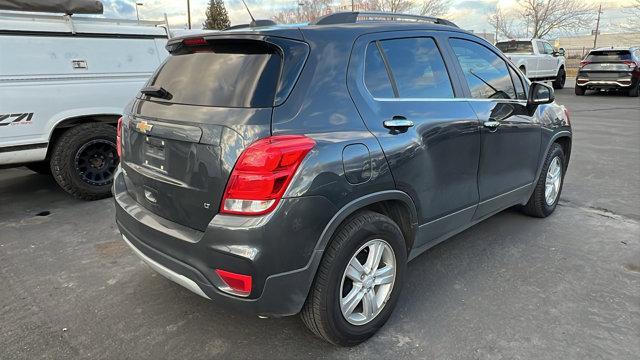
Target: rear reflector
x: 119, y: 137
x: 239, y: 284
x: 194, y: 41
x: 262, y: 174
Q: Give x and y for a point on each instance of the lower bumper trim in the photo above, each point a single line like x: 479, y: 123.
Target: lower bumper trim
x: 168, y: 273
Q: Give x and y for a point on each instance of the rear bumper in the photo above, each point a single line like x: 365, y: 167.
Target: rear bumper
x: 280, y: 256
x: 614, y: 80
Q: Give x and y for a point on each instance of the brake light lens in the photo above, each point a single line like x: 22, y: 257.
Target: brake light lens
x: 262, y: 174
x: 238, y: 284
x: 631, y: 64
x: 198, y: 41
x: 119, y: 137
x: 584, y: 63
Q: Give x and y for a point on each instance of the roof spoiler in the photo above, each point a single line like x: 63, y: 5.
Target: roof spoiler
x: 257, y: 23
x: 54, y: 6
x: 374, y: 16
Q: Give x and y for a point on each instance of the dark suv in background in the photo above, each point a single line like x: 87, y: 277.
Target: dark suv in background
x: 280, y: 170
x: 609, y: 69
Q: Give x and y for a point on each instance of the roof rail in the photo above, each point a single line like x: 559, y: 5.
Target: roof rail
x: 373, y: 16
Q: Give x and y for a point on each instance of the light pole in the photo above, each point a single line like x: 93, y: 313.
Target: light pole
x: 138, y: 14
x: 189, y: 13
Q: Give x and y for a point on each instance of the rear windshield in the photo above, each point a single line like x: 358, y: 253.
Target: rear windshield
x: 238, y: 73
x: 611, y: 55
x: 520, y: 47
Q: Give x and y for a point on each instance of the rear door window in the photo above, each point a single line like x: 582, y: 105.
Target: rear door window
x: 515, y: 47
x: 239, y: 73
x: 376, y: 77
x: 609, y: 55
x: 486, y: 73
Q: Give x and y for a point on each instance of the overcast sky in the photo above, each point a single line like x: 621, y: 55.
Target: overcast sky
x: 468, y: 14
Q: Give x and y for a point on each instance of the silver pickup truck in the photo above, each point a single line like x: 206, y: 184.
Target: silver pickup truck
x: 537, y: 59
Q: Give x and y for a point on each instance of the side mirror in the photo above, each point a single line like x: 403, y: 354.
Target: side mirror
x: 561, y: 51
x: 540, y: 93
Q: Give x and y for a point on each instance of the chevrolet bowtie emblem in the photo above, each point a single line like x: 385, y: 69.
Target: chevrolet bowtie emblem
x: 144, y: 127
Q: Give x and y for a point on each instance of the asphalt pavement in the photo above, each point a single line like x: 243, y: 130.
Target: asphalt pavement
x: 512, y: 287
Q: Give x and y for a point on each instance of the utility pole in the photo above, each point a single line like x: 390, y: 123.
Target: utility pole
x: 189, y: 13
x: 352, y: 6
x: 595, y: 39
x: 137, y: 14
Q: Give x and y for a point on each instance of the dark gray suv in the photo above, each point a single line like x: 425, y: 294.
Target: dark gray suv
x: 280, y: 170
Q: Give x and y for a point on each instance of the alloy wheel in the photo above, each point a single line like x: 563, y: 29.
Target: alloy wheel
x: 367, y: 282
x: 553, y: 181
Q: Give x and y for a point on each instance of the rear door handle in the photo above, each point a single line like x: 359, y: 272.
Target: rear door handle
x: 491, y: 124
x: 398, y: 122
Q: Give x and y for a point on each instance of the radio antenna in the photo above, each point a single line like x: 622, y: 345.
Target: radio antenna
x: 253, y: 21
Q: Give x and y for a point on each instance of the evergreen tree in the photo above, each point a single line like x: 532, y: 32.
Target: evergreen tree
x: 217, y: 18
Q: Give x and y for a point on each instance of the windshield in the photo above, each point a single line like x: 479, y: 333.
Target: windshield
x: 224, y: 74
x: 610, y: 55
x: 520, y: 47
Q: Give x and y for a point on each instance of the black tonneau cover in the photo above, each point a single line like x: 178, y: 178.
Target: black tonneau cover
x: 54, y: 6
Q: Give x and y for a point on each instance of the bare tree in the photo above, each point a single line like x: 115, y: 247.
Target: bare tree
x: 502, y: 23
x: 435, y: 7
x: 547, y: 16
x: 306, y: 12
x: 397, y: 6
x: 424, y: 7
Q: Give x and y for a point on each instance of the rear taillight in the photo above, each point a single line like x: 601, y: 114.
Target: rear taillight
x: 584, y: 63
x: 262, y: 174
x: 237, y: 284
x: 119, y: 137
x: 631, y: 64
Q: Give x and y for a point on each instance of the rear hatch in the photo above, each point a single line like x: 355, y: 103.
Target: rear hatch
x: 608, y: 64
x: 210, y: 99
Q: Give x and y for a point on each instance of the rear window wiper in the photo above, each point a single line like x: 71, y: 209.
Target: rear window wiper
x: 156, y: 91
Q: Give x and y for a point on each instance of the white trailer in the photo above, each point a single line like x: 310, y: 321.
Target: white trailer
x: 64, y: 81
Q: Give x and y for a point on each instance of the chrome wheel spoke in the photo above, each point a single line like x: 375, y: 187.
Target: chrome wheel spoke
x: 369, y: 304
x: 375, y: 254
x: 384, y: 275
x: 355, y: 271
x: 349, y: 302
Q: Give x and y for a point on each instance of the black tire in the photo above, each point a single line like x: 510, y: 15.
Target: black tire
x: 537, y: 205
x: 633, y: 92
x: 580, y: 90
x: 561, y: 78
x: 41, y: 167
x: 321, y: 312
x: 68, y: 163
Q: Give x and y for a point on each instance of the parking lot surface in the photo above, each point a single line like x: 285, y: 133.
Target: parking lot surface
x: 512, y: 287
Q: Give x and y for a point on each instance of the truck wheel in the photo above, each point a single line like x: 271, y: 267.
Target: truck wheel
x: 580, y: 90
x: 84, y: 160
x: 633, y: 92
x: 359, y: 280
x: 558, y: 83
x: 41, y: 167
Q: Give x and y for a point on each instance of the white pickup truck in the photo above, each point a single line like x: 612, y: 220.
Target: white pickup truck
x: 537, y: 59
x: 64, y: 81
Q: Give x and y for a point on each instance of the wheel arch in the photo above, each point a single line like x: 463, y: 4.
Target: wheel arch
x: 66, y: 123
x: 395, y: 204
x: 563, y: 138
